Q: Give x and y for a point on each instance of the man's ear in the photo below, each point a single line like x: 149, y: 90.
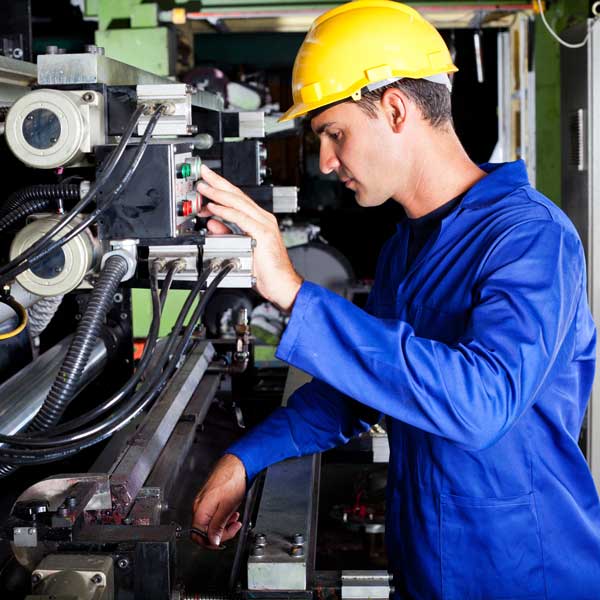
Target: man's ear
x: 395, y: 108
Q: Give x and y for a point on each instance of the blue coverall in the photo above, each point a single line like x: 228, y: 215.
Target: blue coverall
x: 481, y: 356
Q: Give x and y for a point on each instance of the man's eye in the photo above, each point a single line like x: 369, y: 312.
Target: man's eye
x: 334, y: 135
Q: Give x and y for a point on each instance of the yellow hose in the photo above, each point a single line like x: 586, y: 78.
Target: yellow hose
x: 10, y: 301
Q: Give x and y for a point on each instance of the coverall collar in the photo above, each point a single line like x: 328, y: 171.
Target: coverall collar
x: 502, y: 179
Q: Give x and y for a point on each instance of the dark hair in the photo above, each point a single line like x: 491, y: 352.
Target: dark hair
x: 433, y: 99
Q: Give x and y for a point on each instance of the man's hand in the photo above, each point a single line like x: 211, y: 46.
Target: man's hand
x: 276, y: 279
x: 215, y: 506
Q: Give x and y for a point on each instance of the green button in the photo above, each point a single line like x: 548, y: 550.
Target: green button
x: 186, y: 170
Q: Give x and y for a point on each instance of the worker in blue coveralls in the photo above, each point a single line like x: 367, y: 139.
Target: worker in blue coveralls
x: 477, y: 342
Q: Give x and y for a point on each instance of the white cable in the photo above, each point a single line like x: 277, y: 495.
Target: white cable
x: 555, y: 35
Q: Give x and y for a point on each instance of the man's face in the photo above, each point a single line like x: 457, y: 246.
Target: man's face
x: 358, y: 148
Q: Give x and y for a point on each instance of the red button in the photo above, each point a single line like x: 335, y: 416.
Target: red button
x: 186, y: 208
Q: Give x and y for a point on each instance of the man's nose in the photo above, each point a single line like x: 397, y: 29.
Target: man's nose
x: 328, y: 161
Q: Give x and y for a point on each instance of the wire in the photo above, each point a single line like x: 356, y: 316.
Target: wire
x: 21, y: 312
x: 91, y: 218
x: 555, y: 35
x: 142, y: 364
x: 42, y: 456
x: 21, y: 262
x: 137, y: 403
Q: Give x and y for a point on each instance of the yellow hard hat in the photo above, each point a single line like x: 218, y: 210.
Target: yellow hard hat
x: 359, y: 44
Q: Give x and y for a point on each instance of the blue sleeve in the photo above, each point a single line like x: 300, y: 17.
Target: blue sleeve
x: 469, y: 392
x: 316, y: 418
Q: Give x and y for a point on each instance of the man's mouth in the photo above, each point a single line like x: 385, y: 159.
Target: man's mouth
x: 347, y: 181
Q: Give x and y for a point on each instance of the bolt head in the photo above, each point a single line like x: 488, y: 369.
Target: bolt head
x: 35, y: 578
x: 260, y: 539
x: 258, y: 551
x: 88, y: 97
x: 297, y: 551
x: 298, y: 539
x: 123, y: 563
x: 97, y: 579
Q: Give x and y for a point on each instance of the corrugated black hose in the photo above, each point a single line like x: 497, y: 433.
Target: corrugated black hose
x: 38, y: 197
x: 65, y: 385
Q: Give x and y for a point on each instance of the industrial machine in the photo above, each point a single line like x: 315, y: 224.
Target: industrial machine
x: 112, y: 156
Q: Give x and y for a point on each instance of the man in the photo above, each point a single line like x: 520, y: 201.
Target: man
x: 477, y: 343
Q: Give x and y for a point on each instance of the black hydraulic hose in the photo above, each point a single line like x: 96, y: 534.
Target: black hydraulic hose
x: 69, y: 375
x: 27, y: 208
x: 65, y: 385
x: 131, y: 383
x: 20, y: 263
x: 28, y: 261
x: 26, y: 439
x: 149, y: 389
x: 46, y: 193
x: 45, y: 456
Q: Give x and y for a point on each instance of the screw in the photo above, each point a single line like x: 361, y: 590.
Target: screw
x: 51, y: 49
x: 123, y: 563
x: 71, y: 501
x: 31, y: 530
x: 97, y: 579
x: 192, y: 129
x: 123, y: 316
x: 260, y: 539
x: 297, y: 551
x: 36, y: 578
x: 17, y: 53
x: 118, y: 297
x: 258, y: 551
x: 90, y: 48
x: 88, y: 97
x: 298, y: 539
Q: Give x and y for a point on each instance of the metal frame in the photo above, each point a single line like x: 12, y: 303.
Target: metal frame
x: 134, y: 466
x: 593, y: 438
x: 283, y: 552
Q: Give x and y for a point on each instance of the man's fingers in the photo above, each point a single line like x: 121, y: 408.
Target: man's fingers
x: 231, y: 530
x: 217, y: 227
x: 237, y: 201
x: 243, y: 221
x: 217, y: 530
x: 215, y: 180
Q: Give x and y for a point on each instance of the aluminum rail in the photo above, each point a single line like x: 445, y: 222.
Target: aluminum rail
x: 23, y: 394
